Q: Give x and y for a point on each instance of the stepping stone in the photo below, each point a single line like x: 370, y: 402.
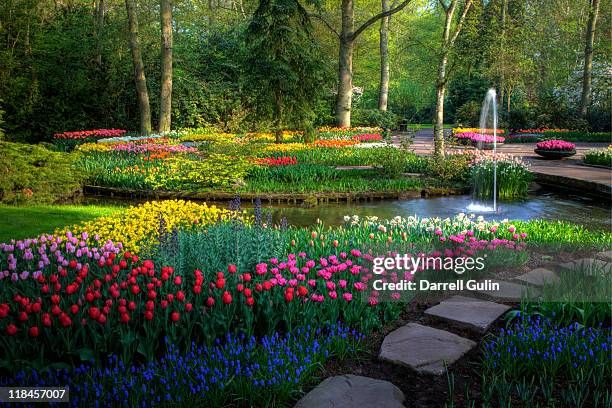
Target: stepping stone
x: 508, y: 291
x: 348, y: 391
x: 424, y: 349
x: 468, y: 312
x: 607, y: 255
x: 588, y: 265
x: 538, y: 277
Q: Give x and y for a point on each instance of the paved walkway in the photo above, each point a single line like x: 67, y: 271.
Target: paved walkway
x: 562, y: 173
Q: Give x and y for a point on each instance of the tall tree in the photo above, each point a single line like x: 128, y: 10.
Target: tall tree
x: 383, y: 93
x: 347, y: 36
x: 283, y: 63
x: 139, y: 72
x: 449, y: 36
x: 585, y: 100
x: 165, y: 98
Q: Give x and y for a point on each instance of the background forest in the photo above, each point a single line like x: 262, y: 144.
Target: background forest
x: 67, y: 65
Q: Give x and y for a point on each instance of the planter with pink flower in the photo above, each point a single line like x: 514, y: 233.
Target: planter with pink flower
x: 478, y: 140
x: 555, y: 149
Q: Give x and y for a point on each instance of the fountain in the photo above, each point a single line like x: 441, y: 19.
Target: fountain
x: 488, y: 115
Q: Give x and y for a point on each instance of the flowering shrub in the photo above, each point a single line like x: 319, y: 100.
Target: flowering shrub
x: 138, y: 226
x: 548, y: 362
x: 367, y: 137
x: 261, y: 371
x: 556, y: 145
x: 277, y: 161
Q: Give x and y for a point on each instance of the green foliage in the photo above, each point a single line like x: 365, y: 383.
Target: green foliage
x: 374, y: 117
x: 283, y: 62
x: 33, y: 174
x: 453, y: 168
x: 468, y: 114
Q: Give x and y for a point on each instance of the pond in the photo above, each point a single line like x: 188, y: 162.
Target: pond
x: 545, y: 205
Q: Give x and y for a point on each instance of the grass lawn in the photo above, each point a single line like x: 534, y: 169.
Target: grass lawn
x: 29, y: 222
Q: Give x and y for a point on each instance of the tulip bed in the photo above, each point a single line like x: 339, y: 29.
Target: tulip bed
x: 245, y: 163
x: 210, y: 301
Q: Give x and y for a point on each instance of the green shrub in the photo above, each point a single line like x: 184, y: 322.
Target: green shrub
x: 33, y: 174
x: 374, y: 117
x: 455, y: 167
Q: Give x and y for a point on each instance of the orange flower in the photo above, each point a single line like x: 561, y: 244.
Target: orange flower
x: 335, y: 143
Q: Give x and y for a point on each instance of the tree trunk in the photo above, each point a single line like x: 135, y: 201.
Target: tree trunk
x: 585, y: 101
x: 139, y: 73
x: 345, y: 65
x: 165, y: 99
x: 384, y: 59
x: 100, y: 11
x: 439, y: 117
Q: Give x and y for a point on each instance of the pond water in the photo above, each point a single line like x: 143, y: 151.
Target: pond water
x: 547, y: 206
x: 541, y: 205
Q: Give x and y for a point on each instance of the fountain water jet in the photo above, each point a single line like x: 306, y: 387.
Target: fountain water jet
x: 489, y: 109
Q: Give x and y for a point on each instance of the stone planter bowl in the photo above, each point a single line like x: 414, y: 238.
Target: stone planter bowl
x: 555, y: 154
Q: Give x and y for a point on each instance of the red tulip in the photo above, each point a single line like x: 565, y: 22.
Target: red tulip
x: 74, y: 309
x: 178, y: 280
x: 125, y: 318
x: 210, y: 302
x: 249, y: 301
x: 188, y: 307
x: 33, y: 332
x: 180, y: 296
x: 101, y: 319
x: 247, y: 292
x: 197, y: 289
x: 231, y: 269
x: 227, y: 298
x: 150, y: 305
x: 175, y: 316
x: 148, y: 264
x: 55, y: 299
x: 288, y: 297
x: 148, y: 315
x: 35, y: 308
x: 240, y: 287
x: 164, y: 304
x: 11, y: 329
x: 220, y: 283
x: 302, y: 291
x: 131, y: 305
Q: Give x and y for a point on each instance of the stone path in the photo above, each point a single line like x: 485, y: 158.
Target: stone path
x: 468, y: 312
x: 349, y: 391
x: 423, y: 348
x: 568, y: 173
x: 428, y: 350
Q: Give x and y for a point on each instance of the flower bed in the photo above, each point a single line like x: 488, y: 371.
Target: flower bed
x: 599, y: 157
x: 367, y: 137
x: 535, y: 360
x: 69, y: 140
x: 555, y: 149
x: 477, y: 139
x: 261, y: 371
x: 278, y: 161
x: 477, y: 130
